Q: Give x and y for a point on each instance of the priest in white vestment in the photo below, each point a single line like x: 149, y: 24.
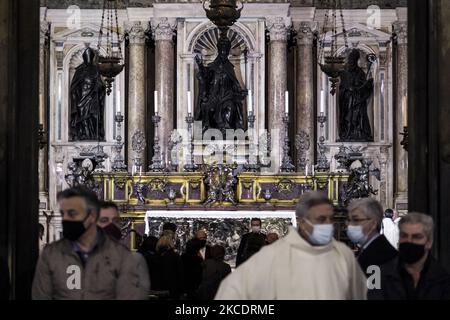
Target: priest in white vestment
x: 307, y: 264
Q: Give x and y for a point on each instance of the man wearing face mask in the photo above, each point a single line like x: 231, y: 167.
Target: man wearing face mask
x: 259, y: 237
x: 307, y: 264
x: 363, y: 228
x: 415, y: 274
x: 87, y: 264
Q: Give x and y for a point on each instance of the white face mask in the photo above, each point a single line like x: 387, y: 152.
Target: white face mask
x: 356, y: 234
x: 322, y: 233
x: 256, y: 229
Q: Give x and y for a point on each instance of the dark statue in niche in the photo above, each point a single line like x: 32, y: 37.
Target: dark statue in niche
x: 220, y: 94
x: 87, y: 99
x: 355, y: 91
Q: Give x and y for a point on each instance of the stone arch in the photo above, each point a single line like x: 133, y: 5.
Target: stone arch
x: 204, y: 37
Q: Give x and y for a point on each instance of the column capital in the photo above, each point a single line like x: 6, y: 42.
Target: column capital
x: 305, y: 32
x: 278, y: 28
x: 136, y: 32
x: 44, y: 28
x: 164, y: 28
x: 401, y: 30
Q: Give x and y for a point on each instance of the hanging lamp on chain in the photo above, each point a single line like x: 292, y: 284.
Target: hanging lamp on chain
x: 331, y: 63
x: 110, y: 64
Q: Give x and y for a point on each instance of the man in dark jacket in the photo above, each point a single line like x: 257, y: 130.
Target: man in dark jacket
x: 364, y: 224
x: 192, y: 266
x: 87, y: 264
x: 214, y: 271
x: 255, y: 225
x: 415, y: 274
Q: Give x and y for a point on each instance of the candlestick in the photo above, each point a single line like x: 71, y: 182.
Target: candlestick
x: 307, y: 167
x: 286, y: 102
x: 250, y: 101
x: 118, y: 101
x: 156, y: 102
x: 189, y: 97
x: 322, y: 101
x: 404, y: 111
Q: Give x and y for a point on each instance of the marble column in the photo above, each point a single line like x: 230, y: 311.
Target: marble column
x: 164, y: 79
x: 136, y: 96
x: 43, y: 151
x: 305, y: 95
x: 278, y: 28
x: 401, y: 156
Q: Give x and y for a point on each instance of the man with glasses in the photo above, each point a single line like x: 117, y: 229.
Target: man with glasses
x: 414, y: 274
x: 363, y: 228
x: 307, y: 264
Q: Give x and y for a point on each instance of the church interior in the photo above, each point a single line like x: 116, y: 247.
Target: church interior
x: 207, y: 114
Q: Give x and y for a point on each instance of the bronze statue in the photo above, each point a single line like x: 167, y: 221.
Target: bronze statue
x: 355, y: 90
x: 220, y: 95
x: 87, y: 93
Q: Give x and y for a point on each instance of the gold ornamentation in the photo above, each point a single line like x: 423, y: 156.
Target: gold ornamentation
x: 285, y: 185
x: 158, y: 184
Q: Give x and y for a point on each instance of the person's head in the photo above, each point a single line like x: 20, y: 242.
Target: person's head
x: 148, y: 244
x: 41, y: 231
x: 415, y: 237
x: 314, y: 215
x: 223, y: 48
x: 170, y: 226
x: 255, y: 225
x: 201, y: 234
x: 109, y: 219
x: 79, y: 208
x: 389, y: 213
x: 364, y: 220
x: 354, y: 57
x: 217, y: 253
x: 88, y: 55
x: 165, y: 243
x: 194, y: 246
x: 271, y: 237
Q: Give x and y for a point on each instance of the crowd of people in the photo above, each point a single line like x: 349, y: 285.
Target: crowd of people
x: 89, y: 262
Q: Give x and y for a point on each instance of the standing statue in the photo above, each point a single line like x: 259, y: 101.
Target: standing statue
x: 87, y: 93
x: 355, y: 90
x: 220, y: 96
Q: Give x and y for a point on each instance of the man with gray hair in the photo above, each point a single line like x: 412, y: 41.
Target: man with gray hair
x: 415, y: 274
x: 364, y: 221
x: 307, y: 264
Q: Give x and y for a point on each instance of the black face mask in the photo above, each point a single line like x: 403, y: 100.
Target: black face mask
x: 410, y: 252
x: 73, y: 230
x: 113, y: 231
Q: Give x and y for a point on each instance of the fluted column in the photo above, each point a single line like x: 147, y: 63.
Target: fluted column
x: 401, y: 163
x: 305, y: 95
x: 277, y: 85
x: 136, y: 96
x: 164, y: 79
x: 43, y: 150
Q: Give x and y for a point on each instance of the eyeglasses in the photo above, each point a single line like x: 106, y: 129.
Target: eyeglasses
x: 356, y: 221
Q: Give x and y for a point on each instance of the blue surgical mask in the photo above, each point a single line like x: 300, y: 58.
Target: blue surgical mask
x: 356, y: 235
x: 322, y: 233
